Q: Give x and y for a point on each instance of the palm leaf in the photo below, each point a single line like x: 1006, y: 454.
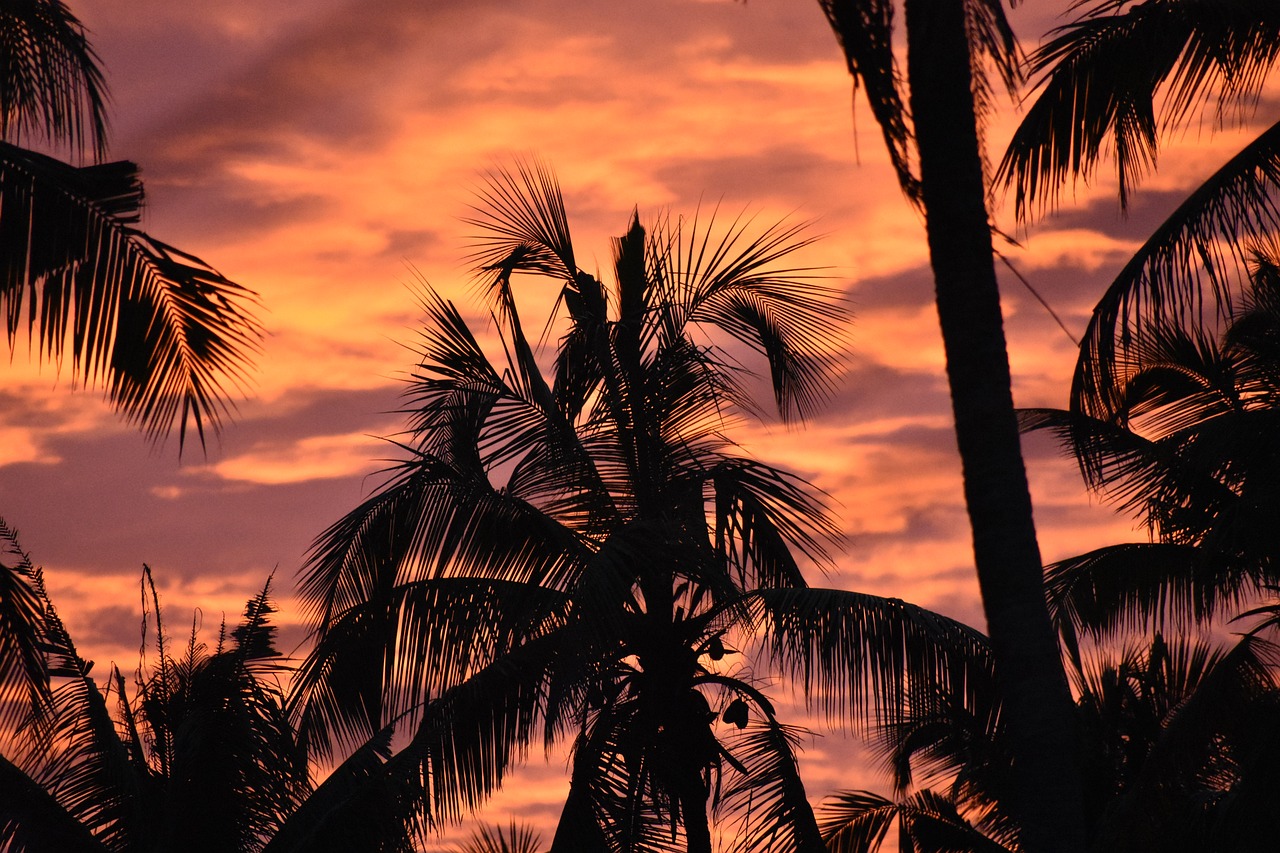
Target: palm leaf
x: 858, y: 821
x: 1194, y: 266
x: 1101, y: 76
x: 51, y: 86
x: 167, y: 336
x: 24, y: 639
x: 864, y: 29
x: 1141, y: 585
x: 383, y: 659
x: 855, y: 656
x: 512, y: 839
x: 769, y: 798
x: 31, y: 819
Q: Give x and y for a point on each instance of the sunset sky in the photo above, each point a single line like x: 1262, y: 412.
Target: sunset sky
x: 320, y: 153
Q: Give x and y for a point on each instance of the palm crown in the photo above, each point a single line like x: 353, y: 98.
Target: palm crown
x: 576, y: 556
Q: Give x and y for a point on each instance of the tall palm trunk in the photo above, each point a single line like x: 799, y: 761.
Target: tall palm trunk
x: 1037, y: 704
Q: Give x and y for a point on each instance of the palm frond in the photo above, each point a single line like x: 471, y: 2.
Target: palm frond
x: 857, y: 656
x: 24, y: 639
x: 32, y: 820
x: 928, y: 822
x: 383, y: 659
x: 523, y: 223
x: 864, y: 29
x: 1192, y: 269
x: 738, y: 282
x: 1093, y: 91
x: 166, y: 335
x: 856, y: 821
x: 371, y: 801
x: 494, y: 839
x: 773, y: 812
x: 1142, y: 585
x: 429, y: 519
x: 761, y: 515
x: 51, y: 86
x: 470, y: 737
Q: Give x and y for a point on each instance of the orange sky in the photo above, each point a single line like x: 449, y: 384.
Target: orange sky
x: 314, y: 152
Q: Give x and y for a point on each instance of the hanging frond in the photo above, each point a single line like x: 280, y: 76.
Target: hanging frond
x: 165, y: 335
x: 856, y: 656
x: 864, y: 29
x: 1102, y: 75
x: 772, y: 813
x: 51, y: 86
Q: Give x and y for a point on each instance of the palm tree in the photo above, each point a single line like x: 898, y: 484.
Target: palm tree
x: 587, y: 558
x: 513, y: 839
x: 1187, y: 451
x: 1117, y: 79
x: 948, y: 45
x: 1178, y: 745
x: 166, y: 335
x: 202, y: 756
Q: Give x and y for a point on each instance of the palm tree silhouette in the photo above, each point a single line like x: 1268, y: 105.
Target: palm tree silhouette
x: 166, y: 335
x: 1188, y: 452
x: 201, y: 755
x: 950, y: 43
x: 1178, y: 747
x: 588, y: 557
x: 1116, y: 80
x: 512, y: 839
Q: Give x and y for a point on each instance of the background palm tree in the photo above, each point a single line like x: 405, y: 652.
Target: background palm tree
x: 1189, y: 452
x: 167, y: 336
x: 200, y: 755
x: 512, y: 839
x: 1116, y: 80
x: 949, y: 46
x: 584, y: 556
x: 1178, y: 745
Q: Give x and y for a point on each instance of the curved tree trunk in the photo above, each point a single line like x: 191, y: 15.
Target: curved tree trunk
x: 1037, y: 704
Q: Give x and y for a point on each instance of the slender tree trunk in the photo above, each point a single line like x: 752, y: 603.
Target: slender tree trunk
x: 693, y: 808
x: 1037, y: 704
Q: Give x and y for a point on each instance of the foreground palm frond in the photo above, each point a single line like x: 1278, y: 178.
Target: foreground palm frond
x: 51, y: 87
x: 1186, y: 449
x: 168, y: 337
